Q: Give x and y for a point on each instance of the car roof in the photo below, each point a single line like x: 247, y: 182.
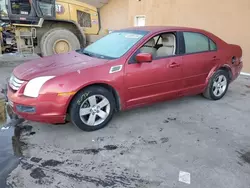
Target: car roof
x: 163, y: 28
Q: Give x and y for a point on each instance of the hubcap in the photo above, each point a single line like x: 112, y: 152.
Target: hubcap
x: 61, y: 46
x: 219, y: 85
x: 94, y: 110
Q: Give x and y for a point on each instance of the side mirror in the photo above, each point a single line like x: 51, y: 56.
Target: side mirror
x: 144, y: 58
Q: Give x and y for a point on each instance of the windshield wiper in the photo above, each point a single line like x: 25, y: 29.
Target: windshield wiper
x: 93, y: 54
x: 88, y: 54
x: 82, y: 51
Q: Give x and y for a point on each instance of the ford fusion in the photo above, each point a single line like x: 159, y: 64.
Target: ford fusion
x: 125, y: 69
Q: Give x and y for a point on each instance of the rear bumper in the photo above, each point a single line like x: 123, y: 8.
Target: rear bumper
x: 49, y: 108
x: 236, y: 71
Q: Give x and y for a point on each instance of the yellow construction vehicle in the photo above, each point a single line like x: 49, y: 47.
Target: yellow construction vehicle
x: 47, y: 27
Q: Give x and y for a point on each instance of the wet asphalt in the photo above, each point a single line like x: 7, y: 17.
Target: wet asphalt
x: 9, y: 138
x: 10, y: 147
x: 8, y: 161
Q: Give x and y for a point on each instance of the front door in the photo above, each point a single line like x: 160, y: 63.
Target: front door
x: 158, y: 80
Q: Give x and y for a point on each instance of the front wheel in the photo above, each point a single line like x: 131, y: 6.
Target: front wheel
x: 92, y: 108
x: 217, y: 86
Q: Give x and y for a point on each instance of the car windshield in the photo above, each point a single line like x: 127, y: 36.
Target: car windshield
x: 114, y: 45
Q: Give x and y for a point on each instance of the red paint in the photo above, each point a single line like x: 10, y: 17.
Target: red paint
x: 137, y: 84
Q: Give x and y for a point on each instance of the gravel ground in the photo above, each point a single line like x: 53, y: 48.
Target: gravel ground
x: 146, y: 147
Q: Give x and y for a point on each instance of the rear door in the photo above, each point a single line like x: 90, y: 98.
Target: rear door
x: 199, y: 57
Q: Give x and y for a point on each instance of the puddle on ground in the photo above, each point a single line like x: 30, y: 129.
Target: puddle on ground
x: 10, y: 144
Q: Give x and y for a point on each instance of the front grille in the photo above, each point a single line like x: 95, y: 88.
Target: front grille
x: 15, y: 83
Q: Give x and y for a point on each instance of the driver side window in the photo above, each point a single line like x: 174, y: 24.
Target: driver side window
x: 149, y: 47
x: 160, y: 46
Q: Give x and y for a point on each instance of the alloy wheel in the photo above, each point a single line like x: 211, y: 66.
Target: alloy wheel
x: 219, y: 85
x: 94, y: 110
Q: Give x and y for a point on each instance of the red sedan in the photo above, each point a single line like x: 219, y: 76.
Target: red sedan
x: 128, y: 68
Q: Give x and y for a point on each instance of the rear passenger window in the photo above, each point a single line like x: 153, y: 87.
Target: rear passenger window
x: 195, y: 42
x: 213, y: 46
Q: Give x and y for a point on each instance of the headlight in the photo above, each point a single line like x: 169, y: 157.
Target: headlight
x: 33, y: 86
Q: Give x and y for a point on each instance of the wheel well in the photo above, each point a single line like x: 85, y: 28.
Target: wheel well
x: 72, y: 26
x: 228, y: 70
x: 109, y: 88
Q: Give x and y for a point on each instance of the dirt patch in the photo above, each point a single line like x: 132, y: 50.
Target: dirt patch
x: 161, y: 129
x: 214, y: 128
x: 96, y: 151
x: 172, y: 119
x: 26, y: 128
x: 87, y: 151
x: 113, y: 180
x: 244, y: 156
x: 35, y: 159
x: 37, y: 173
x: 32, y: 133
x: 169, y: 119
x: 26, y: 166
x: 52, y: 163
x: 110, y: 147
x: 164, y: 140
x: 152, y: 142
x: 18, y: 146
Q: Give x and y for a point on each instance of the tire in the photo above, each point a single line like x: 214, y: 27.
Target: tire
x: 216, y: 90
x: 50, y: 38
x: 82, y: 101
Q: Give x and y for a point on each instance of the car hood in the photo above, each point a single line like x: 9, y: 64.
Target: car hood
x: 56, y: 65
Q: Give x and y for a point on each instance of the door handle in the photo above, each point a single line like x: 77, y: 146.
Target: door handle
x: 174, y: 65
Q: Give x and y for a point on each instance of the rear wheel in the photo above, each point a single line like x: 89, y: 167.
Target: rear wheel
x: 57, y: 41
x: 217, y: 86
x: 92, y: 108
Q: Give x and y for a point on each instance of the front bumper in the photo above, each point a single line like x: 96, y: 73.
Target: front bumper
x: 49, y: 108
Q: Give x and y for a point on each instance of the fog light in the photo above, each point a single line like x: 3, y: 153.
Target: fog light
x: 26, y: 109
